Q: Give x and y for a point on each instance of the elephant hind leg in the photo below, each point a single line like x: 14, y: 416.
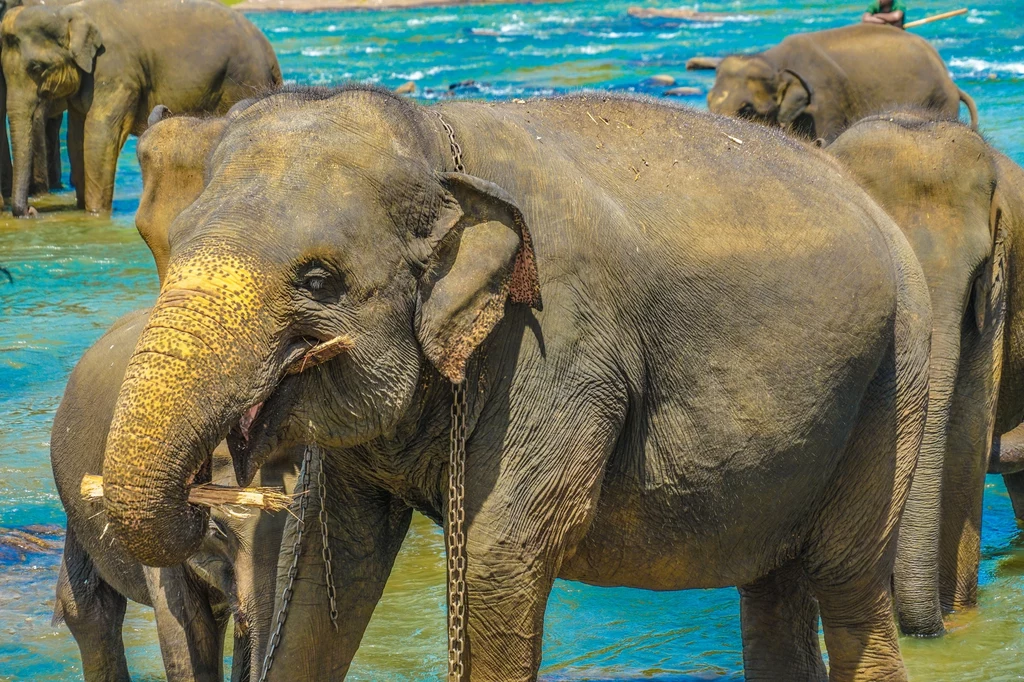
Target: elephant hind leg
x: 94, y: 612
x: 779, y: 619
x: 53, y: 164
x: 852, y: 547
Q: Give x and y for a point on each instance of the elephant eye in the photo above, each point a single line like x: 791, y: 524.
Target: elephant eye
x: 36, y: 68
x: 318, y: 282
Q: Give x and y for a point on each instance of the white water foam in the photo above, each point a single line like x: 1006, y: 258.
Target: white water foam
x: 976, y: 66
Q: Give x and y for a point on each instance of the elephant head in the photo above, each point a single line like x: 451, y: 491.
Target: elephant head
x: 326, y: 216
x: 47, y: 52
x: 172, y: 154
x: 751, y: 87
x: 938, y: 180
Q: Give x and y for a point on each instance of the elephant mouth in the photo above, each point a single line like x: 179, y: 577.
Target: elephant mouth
x: 257, y: 432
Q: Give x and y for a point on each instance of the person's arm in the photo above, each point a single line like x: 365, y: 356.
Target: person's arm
x: 870, y: 18
x: 895, y: 18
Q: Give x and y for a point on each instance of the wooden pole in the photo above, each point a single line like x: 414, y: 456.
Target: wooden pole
x: 937, y: 17
x: 209, y: 495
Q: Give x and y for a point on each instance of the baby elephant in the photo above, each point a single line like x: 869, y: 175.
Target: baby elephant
x: 113, y: 61
x: 234, y: 574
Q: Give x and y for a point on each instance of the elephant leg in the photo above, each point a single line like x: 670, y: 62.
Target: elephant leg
x: 779, y: 619
x: 76, y: 154
x: 529, y: 503
x: 107, y: 126
x: 94, y: 612
x: 6, y: 167
x: 852, y: 546
x: 1015, y: 487
x: 53, y: 164
x: 366, y: 527
x: 190, y: 630
x: 972, y: 420
x: 40, y: 183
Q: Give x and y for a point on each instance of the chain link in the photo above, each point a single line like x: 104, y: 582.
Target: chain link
x: 325, y: 534
x: 296, y: 549
x: 456, y: 148
x: 455, y: 537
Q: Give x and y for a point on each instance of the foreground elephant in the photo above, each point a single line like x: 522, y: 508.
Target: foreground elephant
x: 958, y: 201
x: 692, y: 396
x: 816, y: 84
x: 120, y: 59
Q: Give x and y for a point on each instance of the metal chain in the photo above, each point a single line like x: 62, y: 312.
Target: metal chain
x: 455, y: 536
x: 325, y: 534
x: 286, y: 596
x: 456, y: 148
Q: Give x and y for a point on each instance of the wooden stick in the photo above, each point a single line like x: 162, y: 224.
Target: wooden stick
x: 322, y: 352
x: 210, y: 495
x: 936, y: 17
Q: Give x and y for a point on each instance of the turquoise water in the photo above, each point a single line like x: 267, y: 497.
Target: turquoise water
x: 74, y: 275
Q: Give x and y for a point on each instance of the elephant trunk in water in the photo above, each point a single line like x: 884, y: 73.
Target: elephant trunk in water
x: 194, y: 372
x: 25, y: 120
x: 917, y: 562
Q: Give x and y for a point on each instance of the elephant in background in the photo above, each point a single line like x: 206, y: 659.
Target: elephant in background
x: 46, y: 162
x: 816, y: 84
x: 958, y: 202
x: 120, y: 59
x: 622, y: 433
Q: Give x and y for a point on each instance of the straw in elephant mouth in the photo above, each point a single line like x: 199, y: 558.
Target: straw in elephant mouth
x: 320, y: 352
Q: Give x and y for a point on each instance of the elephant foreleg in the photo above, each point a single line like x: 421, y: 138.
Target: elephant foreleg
x: 53, y: 165
x: 529, y: 504
x: 107, y: 125
x: 366, y: 529
x: 94, y: 612
x: 190, y: 630
x: 779, y: 619
x: 40, y: 174
x: 76, y: 154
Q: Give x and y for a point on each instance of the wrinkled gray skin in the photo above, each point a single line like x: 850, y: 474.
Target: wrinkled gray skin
x: 121, y: 58
x: 941, y: 183
x: 233, y: 575
x: 46, y: 163
x: 694, y: 405
x: 816, y: 84
x: 1008, y: 449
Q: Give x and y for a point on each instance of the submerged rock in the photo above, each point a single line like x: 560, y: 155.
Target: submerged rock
x: 662, y: 79
x: 683, y: 92
x: 406, y: 88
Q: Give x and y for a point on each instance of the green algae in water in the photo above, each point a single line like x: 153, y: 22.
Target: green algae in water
x: 75, y: 274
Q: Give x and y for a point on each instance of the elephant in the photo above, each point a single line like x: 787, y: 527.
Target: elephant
x: 690, y: 393
x: 120, y: 59
x: 958, y: 202
x: 46, y: 163
x: 816, y: 84
x: 233, y: 576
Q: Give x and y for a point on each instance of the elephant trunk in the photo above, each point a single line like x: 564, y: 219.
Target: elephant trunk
x: 192, y: 375
x: 916, y: 575
x: 23, y: 120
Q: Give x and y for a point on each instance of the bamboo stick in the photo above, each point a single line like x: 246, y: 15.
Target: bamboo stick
x: 210, y: 495
x: 936, y: 17
x: 322, y: 352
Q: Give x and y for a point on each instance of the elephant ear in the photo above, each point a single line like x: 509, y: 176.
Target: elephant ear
x: 793, y: 96
x: 482, y: 257
x: 84, y: 39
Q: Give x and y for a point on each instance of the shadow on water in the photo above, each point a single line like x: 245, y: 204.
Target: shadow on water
x: 74, y: 274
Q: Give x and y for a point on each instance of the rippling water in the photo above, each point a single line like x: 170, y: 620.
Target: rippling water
x: 74, y: 275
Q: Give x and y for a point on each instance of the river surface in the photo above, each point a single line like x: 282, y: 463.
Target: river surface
x: 75, y: 274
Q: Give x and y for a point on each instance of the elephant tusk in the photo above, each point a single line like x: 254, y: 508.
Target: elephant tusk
x: 321, y: 353
x: 209, y: 495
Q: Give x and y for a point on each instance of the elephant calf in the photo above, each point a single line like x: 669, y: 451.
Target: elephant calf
x: 692, y: 404
x: 961, y: 205
x: 235, y: 575
x: 112, y: 61
x: 816, y: 84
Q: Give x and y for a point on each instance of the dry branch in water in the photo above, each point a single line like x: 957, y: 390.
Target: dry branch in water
x: 210, y: 495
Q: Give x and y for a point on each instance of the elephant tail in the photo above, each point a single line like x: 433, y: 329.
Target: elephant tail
x: 971, y: 107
